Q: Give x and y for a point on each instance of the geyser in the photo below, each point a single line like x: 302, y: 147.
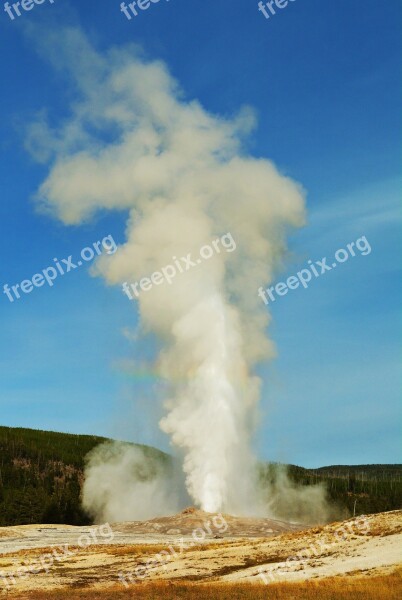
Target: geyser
x: 133, y: 143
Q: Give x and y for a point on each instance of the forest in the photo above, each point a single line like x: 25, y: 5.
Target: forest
x: 41, y: 474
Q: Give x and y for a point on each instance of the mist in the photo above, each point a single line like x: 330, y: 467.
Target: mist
x: 122, y: 483
x: 134, y: 142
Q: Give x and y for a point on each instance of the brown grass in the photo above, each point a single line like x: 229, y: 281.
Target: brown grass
x: 387, y: 587
x: 150, y: 550
x: 135, y: 551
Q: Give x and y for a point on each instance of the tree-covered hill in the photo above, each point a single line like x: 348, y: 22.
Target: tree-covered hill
x: 41, y: 475
x: 358, y: 489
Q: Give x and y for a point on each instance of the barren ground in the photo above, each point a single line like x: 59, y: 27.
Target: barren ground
x: 249, y: 551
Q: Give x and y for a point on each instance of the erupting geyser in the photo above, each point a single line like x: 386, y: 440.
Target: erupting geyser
x: 132, y: 143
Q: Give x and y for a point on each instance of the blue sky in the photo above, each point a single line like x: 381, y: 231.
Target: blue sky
x: 324, y: 79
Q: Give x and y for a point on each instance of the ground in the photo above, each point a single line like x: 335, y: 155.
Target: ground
x: 250, y: 557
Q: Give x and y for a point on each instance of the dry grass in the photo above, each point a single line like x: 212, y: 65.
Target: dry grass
x: 133, y: 550
x: 151, y: 549
x: 340, y: 588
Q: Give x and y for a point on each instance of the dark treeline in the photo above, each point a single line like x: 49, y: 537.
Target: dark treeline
x: 360, y: 489
x: 41, y: 475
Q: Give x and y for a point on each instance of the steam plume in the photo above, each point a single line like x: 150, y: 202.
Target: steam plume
x: 124, y: 483
x: 133, y: 142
